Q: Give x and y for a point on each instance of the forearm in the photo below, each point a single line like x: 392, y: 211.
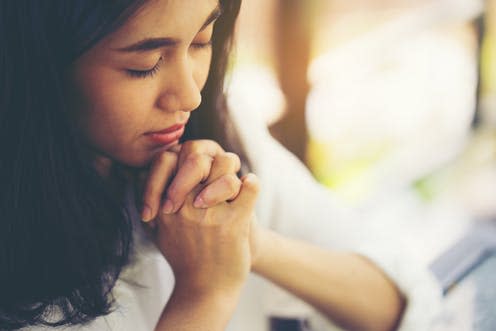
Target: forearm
x: 347, y: 288
x: 192, y: 313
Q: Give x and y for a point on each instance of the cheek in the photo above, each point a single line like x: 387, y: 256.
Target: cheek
x: 108, y: 102
x: 112, y: 111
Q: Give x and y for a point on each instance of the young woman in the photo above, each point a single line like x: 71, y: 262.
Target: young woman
x: 121, y: 204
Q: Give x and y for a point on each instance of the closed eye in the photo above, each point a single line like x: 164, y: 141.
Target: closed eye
x: 202, y: 45
x: 145, y: 73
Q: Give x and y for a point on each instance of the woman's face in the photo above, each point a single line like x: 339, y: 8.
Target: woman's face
x: 135, y: 89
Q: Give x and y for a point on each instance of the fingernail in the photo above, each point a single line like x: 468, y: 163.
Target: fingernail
x: 199, y: 203
x: 146, y: 214
x: 168, y: 207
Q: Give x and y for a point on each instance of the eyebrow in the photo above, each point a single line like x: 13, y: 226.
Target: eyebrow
x: 150, y: 44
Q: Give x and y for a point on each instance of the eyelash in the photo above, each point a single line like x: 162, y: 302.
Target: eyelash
x: 151, y: 72
x: 202, y: 45
x: 145, y: 73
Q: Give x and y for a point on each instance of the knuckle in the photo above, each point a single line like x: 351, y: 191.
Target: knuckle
x: 173, y: 190
x: 228, y: 161
x: 191, y: 161
x: 252, y: 183
x: 197, y: 159
x: 173, y: 193
x: 231, y: 182
x: 200, y: 145
x: 233, y: 157
x: 200, y: 163
x: 206, y: 142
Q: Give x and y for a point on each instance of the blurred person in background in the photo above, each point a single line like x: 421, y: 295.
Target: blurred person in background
x: 393, y: 94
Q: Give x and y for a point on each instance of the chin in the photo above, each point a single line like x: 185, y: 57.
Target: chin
x: 142, y: 158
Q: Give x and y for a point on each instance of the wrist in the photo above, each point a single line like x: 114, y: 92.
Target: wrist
x: 219, y: 302
x: 191, y: 310
x: 222, y: 295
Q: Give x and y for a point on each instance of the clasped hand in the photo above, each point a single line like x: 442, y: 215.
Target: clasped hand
x: 203, y: 216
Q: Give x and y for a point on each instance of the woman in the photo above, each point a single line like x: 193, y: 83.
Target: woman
x: 106, y: 101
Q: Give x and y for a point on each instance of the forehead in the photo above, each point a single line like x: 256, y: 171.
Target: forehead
x: 165, y: 18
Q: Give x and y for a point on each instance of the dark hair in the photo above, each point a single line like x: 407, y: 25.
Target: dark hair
x: 64, y: 236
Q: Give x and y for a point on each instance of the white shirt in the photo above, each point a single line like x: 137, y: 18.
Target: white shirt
x: 294, y: 204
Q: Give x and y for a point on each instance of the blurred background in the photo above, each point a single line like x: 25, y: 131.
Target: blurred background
x: 390, y: 103
x: 377, y: 97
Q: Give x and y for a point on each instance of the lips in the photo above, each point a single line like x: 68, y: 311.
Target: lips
x: 170, y: 129
x: 167, y: 136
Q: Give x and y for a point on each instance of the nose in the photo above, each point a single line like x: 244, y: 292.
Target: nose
x: 181, y: 91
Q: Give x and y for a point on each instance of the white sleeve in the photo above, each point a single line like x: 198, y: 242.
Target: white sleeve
x: 294, y: 204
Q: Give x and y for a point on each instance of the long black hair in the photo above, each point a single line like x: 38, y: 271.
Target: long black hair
x: 64, y: 237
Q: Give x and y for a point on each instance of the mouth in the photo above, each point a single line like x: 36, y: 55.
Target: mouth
x: 167, y: 136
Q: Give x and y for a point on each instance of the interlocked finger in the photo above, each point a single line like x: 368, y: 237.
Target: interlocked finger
x: 194, y: 170
x: 224, y: 188
x: 225, y: 163
x: 161, y: 171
